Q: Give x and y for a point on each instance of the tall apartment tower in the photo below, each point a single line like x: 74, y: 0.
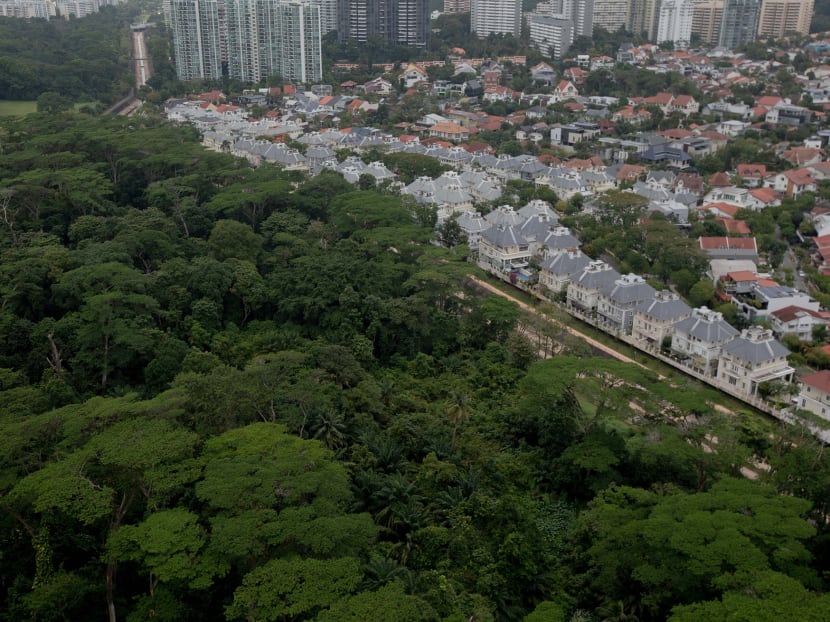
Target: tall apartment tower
x: 196, y: 50
x: 611, y: 14
x: 740, y: 23
x: 242, y: 25
x: 496, y: 16
x: 402, y: 22
x: 675, y: 23
x: 299, y: 52
x: 706, y: 21
x: 778, y: 17
x: 644, y: 17
x: 551, y: 35
x: 456, y: 6
x: 581, y: 12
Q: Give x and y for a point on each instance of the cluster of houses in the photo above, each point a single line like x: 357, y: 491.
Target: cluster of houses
x: 528, y: 246
x: 699, y: 340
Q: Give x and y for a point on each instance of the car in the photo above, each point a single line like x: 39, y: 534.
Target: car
x: 801, y: 274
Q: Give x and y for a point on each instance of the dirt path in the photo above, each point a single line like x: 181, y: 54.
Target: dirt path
x: 572, y: 331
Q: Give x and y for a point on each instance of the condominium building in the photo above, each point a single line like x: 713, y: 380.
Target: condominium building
x: 253, y: 38
x: 779, y: 17
x: 28, y: 9
x: 402, y: 22
x: 706, y: 21
x: 299, y: 56
x: 195, y: 27
x: 496, y: 16
x: 740, y: 23
x: 552, y: 36
x: 611, y: 14
x: 242, y: 41
x: 581, y: 13
x: 675, y: 23
x: 643, y: 17
x: 456, y: 6
x: 328, y: 15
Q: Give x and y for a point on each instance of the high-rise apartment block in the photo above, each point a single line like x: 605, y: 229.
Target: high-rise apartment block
x: 401, y: 22
x: 27, y: 8
x: 706, y: 21
x: 740, y: 23
x: 611, y: 14
x: 552, y: 36
x: 779, y: 17
x: 456, y: 6
x: 252, y: 39
x: 643, y: 18
x: 675, y: 22
x: 496, y: 16
x: 195, y: 27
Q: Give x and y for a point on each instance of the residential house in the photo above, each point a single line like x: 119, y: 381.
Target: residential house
x: 729, y: 248
x: 564, y: 90
x: 503, y: 250
x: 558, y: 269
x: 796, y: 321
x: 699, y: 338
x: 814, y: 393
x: 752, y: 174
x: 449, y: 131
x: 472, y: 225
x: 585, y: 288
x: 767, y: 297
x: 752, y: 359
x: 792, y: 183
x: 615, y: 308
x: 654, y: 319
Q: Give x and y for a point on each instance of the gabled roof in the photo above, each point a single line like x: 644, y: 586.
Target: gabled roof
x: 793, y: 312
x: 722, y: 243
x: 819, y: 380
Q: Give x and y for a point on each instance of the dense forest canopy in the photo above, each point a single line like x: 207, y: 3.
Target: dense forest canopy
x: 241, y: 394
x: 81, y: 59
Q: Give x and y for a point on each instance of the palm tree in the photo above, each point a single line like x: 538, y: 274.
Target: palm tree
x: 328, y: 426
x: 458, y: 410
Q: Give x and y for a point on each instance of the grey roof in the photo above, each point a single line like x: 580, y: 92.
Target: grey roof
x: 560, y: 238
x: 504, y: 216
x: 537, y: 206
x: 630, y: 290
x: 755, y: 347
x: 472, y: 222
x: 599, y: 278
x: 566, y: 263
x: 665, y: 306
x: 707, y: 326
x: 537, y: 227
x: 503, y: 236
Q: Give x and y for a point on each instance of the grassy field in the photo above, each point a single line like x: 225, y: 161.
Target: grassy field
x: 16, y: 108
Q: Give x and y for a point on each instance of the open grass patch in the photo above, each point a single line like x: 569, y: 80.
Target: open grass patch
x: 10, y: 108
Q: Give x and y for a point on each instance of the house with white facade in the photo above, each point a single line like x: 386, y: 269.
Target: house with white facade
x: 753, y: 358
x: 797, y: 321
x: 503, y: 250
x: 615, y: 308
x: 814, y: 393
x: 586, y: 287
x: 654, y: 319
x: 557, y: 270
x: 698, y: 339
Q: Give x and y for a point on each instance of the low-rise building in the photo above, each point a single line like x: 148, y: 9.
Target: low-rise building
x: 585, y: 288
x: 814, y: 393
x: 698, y: 339
x: 654, y: 319
x: 752, y: 359
x: 615, y: 309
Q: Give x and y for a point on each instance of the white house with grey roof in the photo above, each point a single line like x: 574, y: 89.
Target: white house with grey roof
x: 654, y: 319
x: 615, y: 308
x: 504, y: 216
x: 753, y: 358
x: 473, y: 225
x: 503, y: 250
x: 556, y: 240
x: 537, y: 207
x: 699, y: 338
x: 585, y: 288
x: 557, y: 270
